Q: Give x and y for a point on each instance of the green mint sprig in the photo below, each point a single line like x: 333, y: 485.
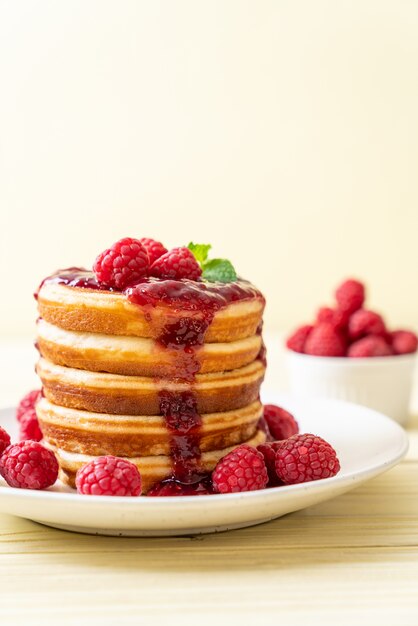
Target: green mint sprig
x: 200, y: 251
x: 213, y: 270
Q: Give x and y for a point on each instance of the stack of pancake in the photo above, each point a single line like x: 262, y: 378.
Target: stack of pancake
x: 112, y: 386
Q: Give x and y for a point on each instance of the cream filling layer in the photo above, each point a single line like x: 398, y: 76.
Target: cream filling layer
x: 50, y: 372
x: 130, y: 347
x: 63, y: 417
x: 150, y: 461
x: 109, y: 301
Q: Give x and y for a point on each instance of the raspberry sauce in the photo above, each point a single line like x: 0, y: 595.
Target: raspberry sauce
x: 186, y: 295
x: 194, y: 303
x: 171, y: 487
x: 191, y: 295
x: 197, y: 302
x: 183, y: 421
x: 73, y: 277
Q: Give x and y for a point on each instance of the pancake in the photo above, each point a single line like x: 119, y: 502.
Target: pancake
x: 137, y: 356
x: 152, y: 468
x: 98, y: 434
x: 166, y: 373
x: 140, y: 395
x: 104, y: 312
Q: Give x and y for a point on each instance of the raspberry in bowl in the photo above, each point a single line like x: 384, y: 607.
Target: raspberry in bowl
x: 349, y: 353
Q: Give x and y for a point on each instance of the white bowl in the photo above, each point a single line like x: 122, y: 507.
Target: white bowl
x: 381, y: 383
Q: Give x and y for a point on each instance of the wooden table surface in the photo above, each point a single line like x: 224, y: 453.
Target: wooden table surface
x: 351, y: 559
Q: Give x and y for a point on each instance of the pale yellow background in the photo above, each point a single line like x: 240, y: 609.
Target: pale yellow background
x: 284, y: 132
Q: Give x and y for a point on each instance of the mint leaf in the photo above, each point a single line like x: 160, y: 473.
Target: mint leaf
x: 220, y: 270
x: 200, y: 251
x: 214, y: 270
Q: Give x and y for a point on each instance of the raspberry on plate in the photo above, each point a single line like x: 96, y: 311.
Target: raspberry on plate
x: 29, y: 465
x: 242, y: 469
x: 109, y: 476
x: 372, y: 345
x: 297, y: 340
x: 281, y: 423
x: 268, y: 450
x: 303, y: 458
x: 123, y: 264
x: 4, y: 440
x: 154, y: 249
x: 350, y: 295
x: 404, y: 341
x: 325, y: 340
x: 28, y: 402
x: 364, y: 322
x: 29, y: 426
x: 176, y: 264
x: 262, y: 425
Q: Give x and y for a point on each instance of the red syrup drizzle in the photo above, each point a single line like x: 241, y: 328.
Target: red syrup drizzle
x: 171, y: 487
x: 197, y: 303
x: 194, y: 304
x: 179, y: 409
x: 184, y: 422
x: 73, y: 277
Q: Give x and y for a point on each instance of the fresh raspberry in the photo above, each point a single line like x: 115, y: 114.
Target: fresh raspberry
x: 281, y: 423
x: 109, y: 476
x: 350, y: 295
x: 268, y: 450
x: 302, y: 458
x: 28, y: 402
x: 325, y: 314
x: 174, y: 488
x: 154, y: 249
x: 29, y: 465
x: 123, y: 264
x: 404, y: 341
x: 325, y: 340
x: 242, y: 469
x: 262, y: 425
x: 29, y: 427
x: 336, y: 317
x: 369, y: 346
x: 364, y: 322
x: 297, y: 340
x: 4, y: 440
x: 176, y: 264
x: 341, y: 319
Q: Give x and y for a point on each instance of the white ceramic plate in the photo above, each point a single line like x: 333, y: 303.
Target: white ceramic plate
x: 367, y: 444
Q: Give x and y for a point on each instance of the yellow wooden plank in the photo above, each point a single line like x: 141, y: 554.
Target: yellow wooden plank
x: 287, y: 585
x: 294, y: 532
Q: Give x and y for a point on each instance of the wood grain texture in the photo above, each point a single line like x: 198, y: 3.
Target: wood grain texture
x: 353, y: 559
